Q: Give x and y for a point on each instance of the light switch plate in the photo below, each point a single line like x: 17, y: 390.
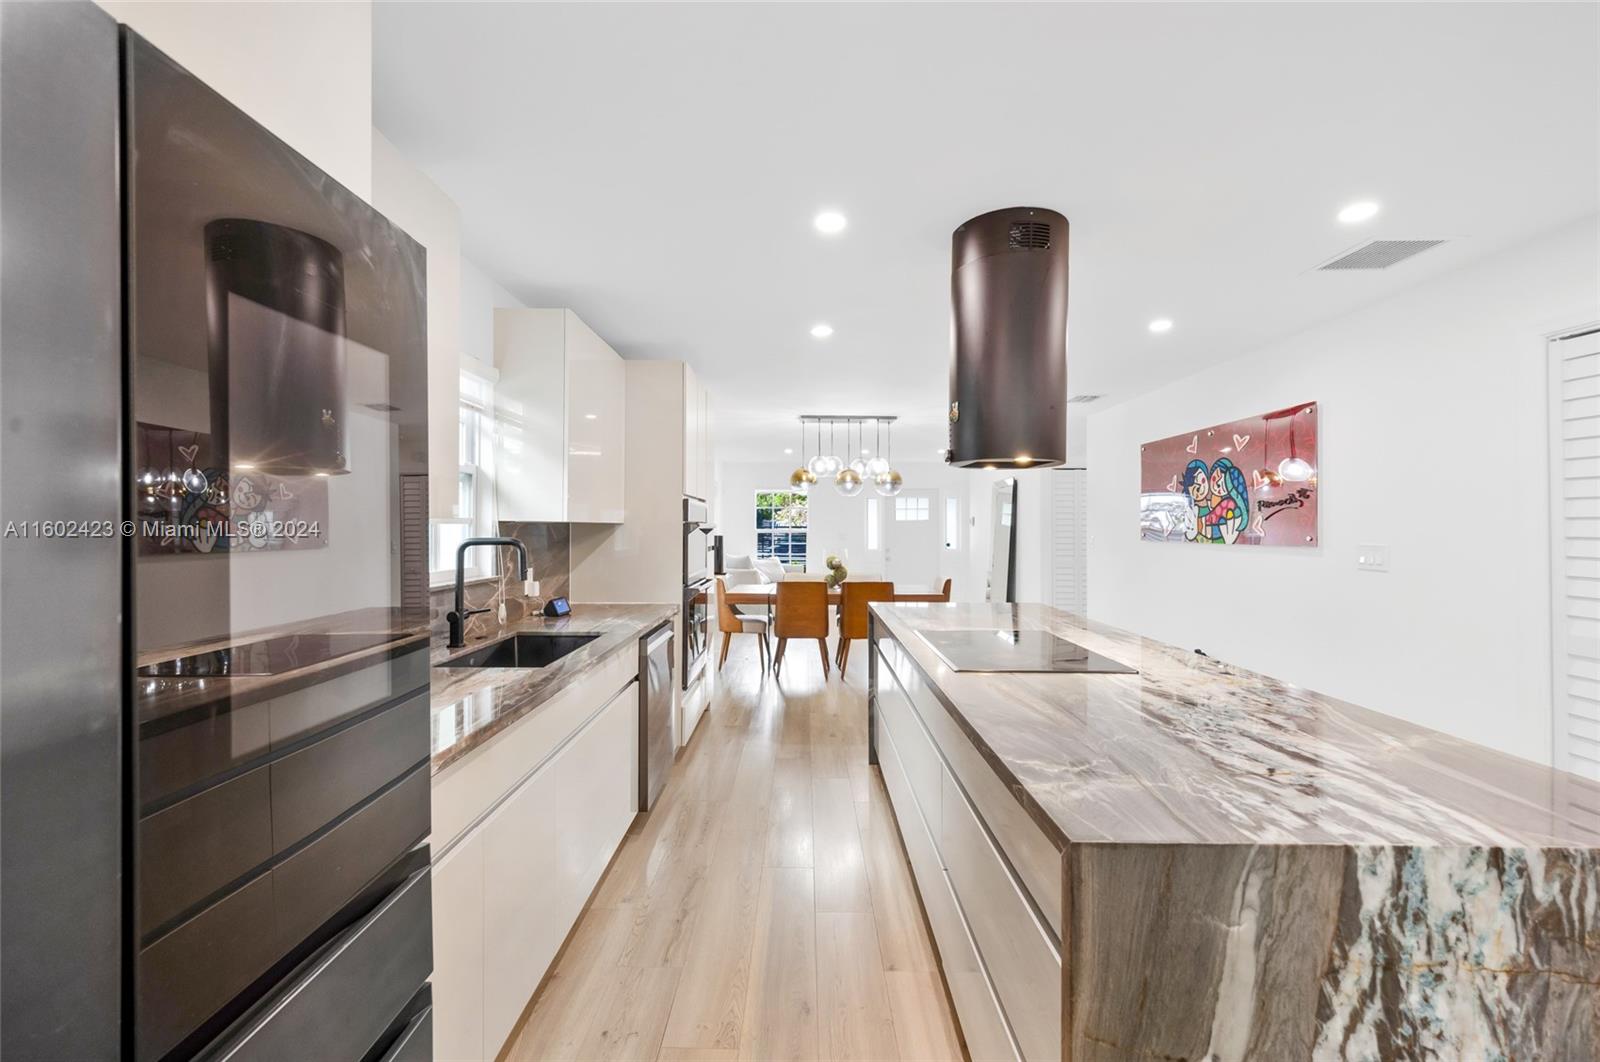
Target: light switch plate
x: 1373, y: 558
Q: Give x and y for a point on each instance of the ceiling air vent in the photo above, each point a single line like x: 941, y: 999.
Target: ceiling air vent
x: 1083, y: 399
x: 1030, y: 236
x: 1379, y: 254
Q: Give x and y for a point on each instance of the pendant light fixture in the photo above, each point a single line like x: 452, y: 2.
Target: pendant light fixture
x: 802, y: 477
x: 888, y: 482
x: 822, y: 465
x: 858, y: 464
x: 848, y: 479
x: 877, y: 466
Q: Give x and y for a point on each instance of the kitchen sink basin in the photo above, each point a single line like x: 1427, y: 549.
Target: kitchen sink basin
x: 523, y: 650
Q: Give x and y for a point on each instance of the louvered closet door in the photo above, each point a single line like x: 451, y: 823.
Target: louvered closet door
x: 1575, y: 554
x: 1069, y: 543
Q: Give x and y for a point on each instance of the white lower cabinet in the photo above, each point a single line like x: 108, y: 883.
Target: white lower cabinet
x: 535, y: 858
x: 998, y: 955
x: 458, y: 952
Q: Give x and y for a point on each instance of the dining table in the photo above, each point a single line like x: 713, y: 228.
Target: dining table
x: 765, y: 594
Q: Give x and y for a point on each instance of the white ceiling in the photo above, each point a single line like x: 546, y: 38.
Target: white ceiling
x: 657, y: 168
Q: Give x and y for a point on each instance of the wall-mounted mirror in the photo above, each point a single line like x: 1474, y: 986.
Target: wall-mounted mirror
x: 1003, y: 542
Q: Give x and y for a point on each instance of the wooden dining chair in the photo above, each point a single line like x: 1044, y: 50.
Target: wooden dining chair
x: 731, y: 622
x: 854, y: 597
x: 801, y: 611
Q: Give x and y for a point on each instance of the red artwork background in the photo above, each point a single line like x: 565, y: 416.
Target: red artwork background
x: 1275, y: 455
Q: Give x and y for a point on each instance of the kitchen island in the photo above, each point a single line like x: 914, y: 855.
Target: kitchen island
x: 1195, y: 861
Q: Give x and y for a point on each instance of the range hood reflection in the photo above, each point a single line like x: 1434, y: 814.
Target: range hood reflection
x: 275, y: 307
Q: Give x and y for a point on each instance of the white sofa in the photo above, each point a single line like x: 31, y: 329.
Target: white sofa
x: 742, y: 569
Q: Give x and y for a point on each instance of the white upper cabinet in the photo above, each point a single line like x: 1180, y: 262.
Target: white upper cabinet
x: 560, y: 409
x: 696, y: 437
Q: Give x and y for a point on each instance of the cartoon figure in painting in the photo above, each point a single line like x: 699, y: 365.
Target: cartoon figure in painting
x: 1197, y: 485
x: 1221, y: 500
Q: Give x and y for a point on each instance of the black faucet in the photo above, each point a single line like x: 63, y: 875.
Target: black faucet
x: 458, y: 618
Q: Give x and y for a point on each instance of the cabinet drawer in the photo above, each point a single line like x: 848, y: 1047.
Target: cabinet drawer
x: 1032, y: 854
x: 416, y: 1041
x: 976, y: 1008
x: 317, y: 784
x: 305, y: 711
x: 918, y: 756
x: 192, y: 971
x: 343, y: 1000
x: 191, y: 850
x: 1015, y: 947
x: 313, y: 883
x: 187, y: 748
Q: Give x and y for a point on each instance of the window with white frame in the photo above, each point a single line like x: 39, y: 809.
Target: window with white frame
x: 911, y: 507
x: 782, y: 517
x: 474, y: 508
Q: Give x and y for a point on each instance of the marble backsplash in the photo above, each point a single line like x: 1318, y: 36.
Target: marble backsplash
x: 549, y: 549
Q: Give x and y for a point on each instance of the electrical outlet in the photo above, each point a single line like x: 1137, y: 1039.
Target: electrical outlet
x: 1373, y: 558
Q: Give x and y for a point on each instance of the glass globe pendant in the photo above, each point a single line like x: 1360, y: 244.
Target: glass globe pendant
x: 888, y: 482
x: 877, y: 464
x: 858, y: 465
x: 802, y: 477
x: 823, y: 464
x: 847, y: 480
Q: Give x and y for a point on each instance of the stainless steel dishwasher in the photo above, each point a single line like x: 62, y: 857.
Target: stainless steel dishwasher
x: 655, y: 713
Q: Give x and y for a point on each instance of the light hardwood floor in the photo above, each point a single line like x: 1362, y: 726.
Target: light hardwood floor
x: 763, y: 909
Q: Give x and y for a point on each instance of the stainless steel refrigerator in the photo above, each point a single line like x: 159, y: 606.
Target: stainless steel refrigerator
x: 215, y: 737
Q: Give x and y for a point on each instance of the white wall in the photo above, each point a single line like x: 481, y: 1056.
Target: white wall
x: 302, y: 70
x: 407, y: 197
x: 839, y: 525
x: 481, y: 295
x: 1432, y: 408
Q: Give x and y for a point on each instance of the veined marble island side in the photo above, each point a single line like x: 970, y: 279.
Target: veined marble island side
x: 1200, y: 862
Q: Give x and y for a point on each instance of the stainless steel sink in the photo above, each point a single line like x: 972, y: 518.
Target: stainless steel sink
x: 523, y: 650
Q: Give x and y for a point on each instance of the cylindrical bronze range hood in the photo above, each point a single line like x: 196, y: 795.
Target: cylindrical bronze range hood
x: 276, y: 329
x: 1008, y: 363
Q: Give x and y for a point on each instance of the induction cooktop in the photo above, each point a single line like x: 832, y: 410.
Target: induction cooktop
x: 270, y: 656
x: 1010, y: 649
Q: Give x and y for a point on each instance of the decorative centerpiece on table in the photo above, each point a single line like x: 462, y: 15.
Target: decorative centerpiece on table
x: 837, y: 572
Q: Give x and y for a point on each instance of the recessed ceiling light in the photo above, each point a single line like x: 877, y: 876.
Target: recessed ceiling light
x: 591, y: 416
x: 1161, y: 324
x: 1356, y: 213
x: 822, y: 331
x: 788, y: 449
x: 830, y: 222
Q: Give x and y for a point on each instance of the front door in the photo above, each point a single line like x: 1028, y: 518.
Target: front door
x: 912, y: 540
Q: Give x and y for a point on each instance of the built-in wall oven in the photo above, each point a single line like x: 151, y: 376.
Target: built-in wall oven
x: 696, y: 587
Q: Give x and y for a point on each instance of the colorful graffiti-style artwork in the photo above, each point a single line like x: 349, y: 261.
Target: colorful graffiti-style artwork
x: 187, y: 503
x: 1250, y: 482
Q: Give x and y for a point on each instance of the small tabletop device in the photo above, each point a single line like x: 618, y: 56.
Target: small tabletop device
x: 557, y: 606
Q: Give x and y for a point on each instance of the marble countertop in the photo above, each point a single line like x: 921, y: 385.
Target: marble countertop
x: 1191, y: 750
x: 473, y: 704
